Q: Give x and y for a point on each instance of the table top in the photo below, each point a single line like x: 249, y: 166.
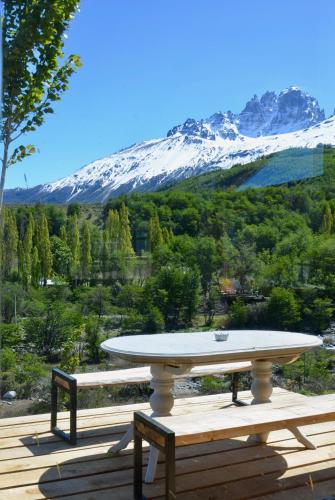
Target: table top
x: 202, y: 348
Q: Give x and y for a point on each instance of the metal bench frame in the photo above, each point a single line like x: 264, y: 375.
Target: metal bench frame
x: 62, y: 380
x: 162, y: 438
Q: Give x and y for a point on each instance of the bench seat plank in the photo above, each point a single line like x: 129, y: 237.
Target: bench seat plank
x: 235, y: 422
x: 166, y: 433
x: 141, y: 375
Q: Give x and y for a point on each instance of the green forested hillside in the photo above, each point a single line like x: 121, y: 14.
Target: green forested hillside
x: 290, y: 165
x: 201, y: 254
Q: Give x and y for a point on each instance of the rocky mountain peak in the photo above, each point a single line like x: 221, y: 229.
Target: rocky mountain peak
x: 296, y: 107
x: 290, y: 110
x: 268, y: 100
x: 192, y: 129
x: 293, y: 109
x: 253, y: 106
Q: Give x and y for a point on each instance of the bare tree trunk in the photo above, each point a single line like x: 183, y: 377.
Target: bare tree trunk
x: 3, y: 178
x: 3, y: 132
x: 2, y: 187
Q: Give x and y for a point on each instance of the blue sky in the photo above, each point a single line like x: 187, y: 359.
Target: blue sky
x: 150, y: 64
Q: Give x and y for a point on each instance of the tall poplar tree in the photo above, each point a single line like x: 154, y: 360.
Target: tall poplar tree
x: 62, y: 233
x: 105, y: 255
x: 155, y: 233
x: 44, y: 250
x: 167, y: 235
x: 73, y: 241
x: 23, y: 268
x: 9, y: 244
x: 125, y: 245
x: 113, y: 229
x: 35, y: 268
x: 28, y: 243
x: 327, y: 220
x: 86, y: 255
x: 111, y: 243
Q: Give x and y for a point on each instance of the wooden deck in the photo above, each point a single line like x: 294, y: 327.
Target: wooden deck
x: 35, y: 464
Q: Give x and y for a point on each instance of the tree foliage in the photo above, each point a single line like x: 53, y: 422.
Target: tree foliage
x: 86, y: 252
x: 259, y: 258
x: 44, y: 248
x: 35, y: 72
x: 283, y: 309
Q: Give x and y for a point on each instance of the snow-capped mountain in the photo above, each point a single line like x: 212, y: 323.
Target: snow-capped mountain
x: 272, y: 123
x: 291, y: 110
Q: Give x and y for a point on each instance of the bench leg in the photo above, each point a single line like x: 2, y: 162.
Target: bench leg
x: 301, y: 438
x: 73, y: 414
x: 160, y: 438
x: 235, y: 377
x: 69, y: 384
x: 54, y: 403
x: 138, y: 490
x: 170, y: 468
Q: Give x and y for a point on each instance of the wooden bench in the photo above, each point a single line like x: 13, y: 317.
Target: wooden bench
x: 129, y: 376
x: 166, y: 433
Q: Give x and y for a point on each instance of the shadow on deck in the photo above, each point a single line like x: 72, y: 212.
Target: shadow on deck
x: 34, y: 464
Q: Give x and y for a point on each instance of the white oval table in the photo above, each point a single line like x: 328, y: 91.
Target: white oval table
x: 169, y: 354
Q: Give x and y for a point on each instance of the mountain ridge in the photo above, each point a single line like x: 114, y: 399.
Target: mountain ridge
x: 291, y: 119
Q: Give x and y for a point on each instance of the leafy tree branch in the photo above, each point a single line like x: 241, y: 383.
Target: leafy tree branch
x: 35, y: 70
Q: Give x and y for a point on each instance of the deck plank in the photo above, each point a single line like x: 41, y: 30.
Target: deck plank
x: 182, y: 406
x: 305, y: 492
x: 130, y: 408
x: 97, y: 462
x: 82, y: 454
x: 232, y: 469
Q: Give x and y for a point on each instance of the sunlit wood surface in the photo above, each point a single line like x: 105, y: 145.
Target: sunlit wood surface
x: 34, y: 464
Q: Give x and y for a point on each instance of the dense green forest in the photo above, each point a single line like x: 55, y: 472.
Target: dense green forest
x: 200, y: 254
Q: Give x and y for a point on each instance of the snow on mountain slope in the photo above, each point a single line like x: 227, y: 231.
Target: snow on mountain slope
x: 193, y: 148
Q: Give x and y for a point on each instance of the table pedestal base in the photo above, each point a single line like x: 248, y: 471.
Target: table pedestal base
x: 301, y: 438
x: 161, y: 402
x: 124, y: 441
x: 261, y: 388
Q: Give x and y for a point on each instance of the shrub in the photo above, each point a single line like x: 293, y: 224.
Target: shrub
x: 317, y: 316
x: 93, y: 338
x: 132, y: 323
x: 283, y: 310
x: 10, y: 334
x: 238, y: 314
x: 153, y: 321
x: 214, y: 385
x: 49, y: 331
x: 21, y: 372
